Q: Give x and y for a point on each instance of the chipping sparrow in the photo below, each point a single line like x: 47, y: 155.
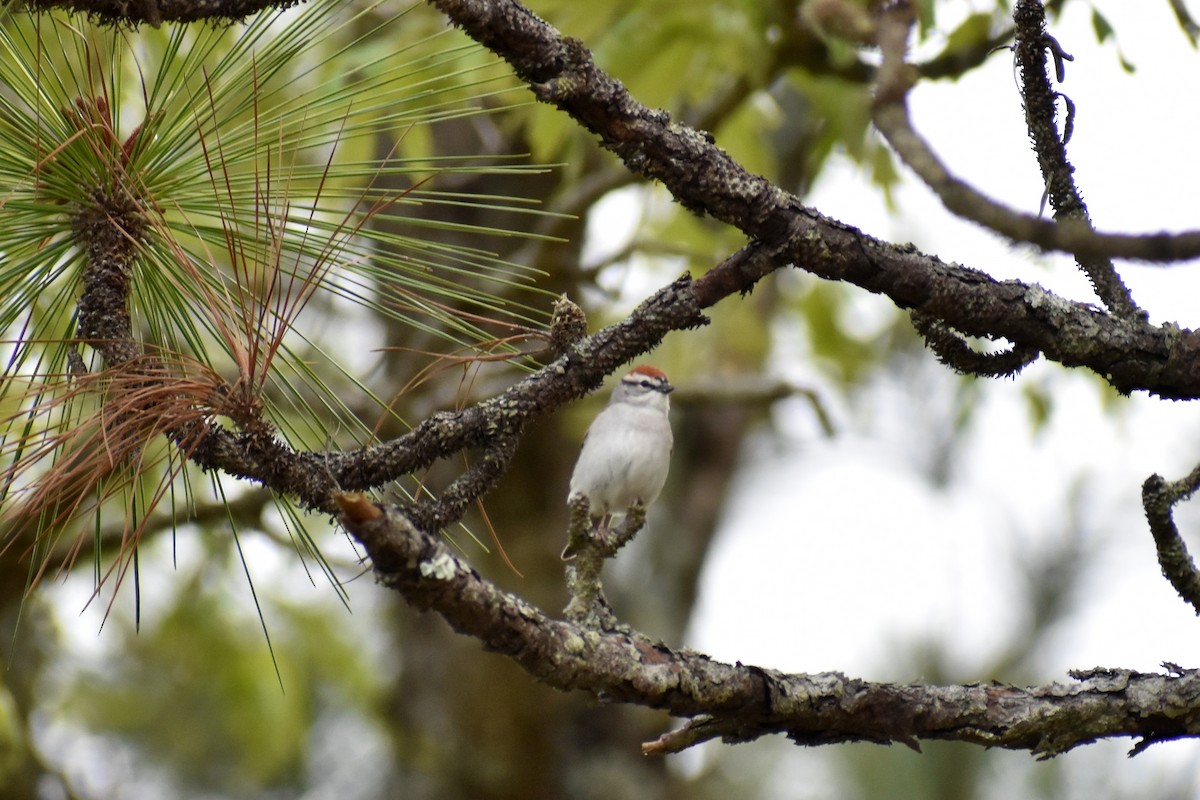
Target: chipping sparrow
x: 627, y: 448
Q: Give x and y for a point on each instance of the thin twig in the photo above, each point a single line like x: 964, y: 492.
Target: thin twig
x: 1030, y: 49
x: 451, y: 504
x: 953, y: 351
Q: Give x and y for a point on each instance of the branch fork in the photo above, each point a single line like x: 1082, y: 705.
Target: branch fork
x: 588, y: 546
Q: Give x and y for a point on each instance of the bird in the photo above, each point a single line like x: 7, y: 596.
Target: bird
x: 626, y: 451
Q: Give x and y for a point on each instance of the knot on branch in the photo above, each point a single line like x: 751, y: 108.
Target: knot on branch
x: 568, y: 326
x: 401, y: 552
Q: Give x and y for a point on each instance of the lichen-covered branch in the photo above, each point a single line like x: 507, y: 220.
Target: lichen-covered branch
x: 588, y: 547
x: 259, y: 456
x: 1031, y: 46
x: 953, y: 351
x: 312, y: 477
x: 1130, y: 354
x: 1158, y: 499
x: 560, y: 71
x: 738, y: 702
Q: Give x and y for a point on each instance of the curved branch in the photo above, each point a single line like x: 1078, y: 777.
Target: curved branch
x: 312, y: 477
x: 1158, y: 498
x: 742, y: 702
x: 450, y: 505
x: 953, y: 351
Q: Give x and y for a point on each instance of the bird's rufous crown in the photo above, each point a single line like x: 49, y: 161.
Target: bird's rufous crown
x: 647, y: 371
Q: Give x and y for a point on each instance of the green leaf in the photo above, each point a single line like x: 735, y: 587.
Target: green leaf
x: 1039, y: 402
x: 1186, y: 22
x: 970, y: 34
x: 926, y: 16
x: 1101, y: 26
x: 1104, y: 31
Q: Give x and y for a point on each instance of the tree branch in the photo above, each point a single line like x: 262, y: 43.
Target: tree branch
x: 1071, y: 234
x: 1032, y: 42
x: 258, y: 455
x: 953, y: 351
x: 560, y: 71
x: 156, y: 12
x: 1158, y: 498
x: 312, y: 477
x: 1130, y: 354
x: 741, y: 702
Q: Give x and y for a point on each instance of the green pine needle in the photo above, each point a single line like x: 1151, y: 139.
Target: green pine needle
x: 253, y: 154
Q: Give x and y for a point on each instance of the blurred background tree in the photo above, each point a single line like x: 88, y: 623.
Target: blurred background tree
x: 227, y: 665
